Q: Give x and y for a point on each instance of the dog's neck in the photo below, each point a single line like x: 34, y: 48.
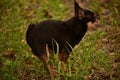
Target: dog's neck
x: 76, y: 24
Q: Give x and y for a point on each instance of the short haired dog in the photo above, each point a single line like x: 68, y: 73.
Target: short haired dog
x: 41, y: 37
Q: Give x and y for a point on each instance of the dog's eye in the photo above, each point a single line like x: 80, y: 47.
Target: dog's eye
x: 88, y: 16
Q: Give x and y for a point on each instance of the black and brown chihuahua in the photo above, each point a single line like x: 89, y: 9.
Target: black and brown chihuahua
x: 41, y: 37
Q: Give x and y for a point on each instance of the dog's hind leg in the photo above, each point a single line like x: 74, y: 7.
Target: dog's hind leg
x: 45, y: 59
x: 63, y: 56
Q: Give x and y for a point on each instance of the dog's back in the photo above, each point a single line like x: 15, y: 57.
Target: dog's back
x: 47, y: 31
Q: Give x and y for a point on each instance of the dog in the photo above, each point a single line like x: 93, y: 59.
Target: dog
x: 43, y: 36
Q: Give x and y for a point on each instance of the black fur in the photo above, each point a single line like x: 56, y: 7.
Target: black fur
x: 63, y: 32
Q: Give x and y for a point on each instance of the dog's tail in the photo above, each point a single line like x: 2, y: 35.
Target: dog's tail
x: 30, y: 27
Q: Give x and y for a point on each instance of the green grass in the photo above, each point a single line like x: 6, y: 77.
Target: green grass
x: 93, y: 59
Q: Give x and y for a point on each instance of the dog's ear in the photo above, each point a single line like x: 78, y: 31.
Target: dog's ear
x: 79, y: 12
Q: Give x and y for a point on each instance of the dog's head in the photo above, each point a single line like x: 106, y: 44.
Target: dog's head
x: 86, y: 16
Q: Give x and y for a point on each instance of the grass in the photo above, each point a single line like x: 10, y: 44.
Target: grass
x: 95, y: 58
